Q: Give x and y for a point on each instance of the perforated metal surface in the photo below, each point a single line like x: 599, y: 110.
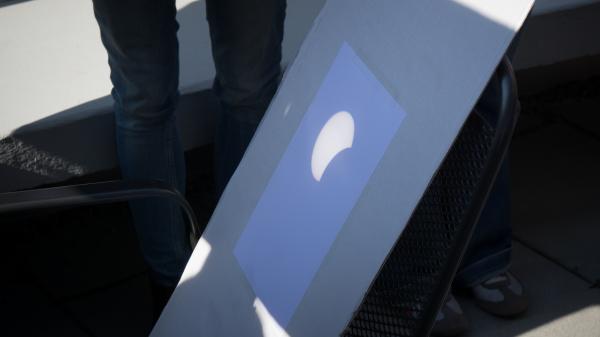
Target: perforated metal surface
x: 404, y: 290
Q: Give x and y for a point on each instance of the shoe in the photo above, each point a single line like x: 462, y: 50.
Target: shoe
x: 450, y: 320
x: 502, y: 295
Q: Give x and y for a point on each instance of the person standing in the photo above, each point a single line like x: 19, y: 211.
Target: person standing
x: 140, y: 37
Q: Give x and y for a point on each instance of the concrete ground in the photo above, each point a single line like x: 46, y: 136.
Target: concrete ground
x: 555, y: 160
x: 78, y: 272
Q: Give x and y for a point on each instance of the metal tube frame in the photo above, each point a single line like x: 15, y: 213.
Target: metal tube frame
x: 94, y: 194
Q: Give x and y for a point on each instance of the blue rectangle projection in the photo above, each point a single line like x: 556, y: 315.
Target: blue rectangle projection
x: 339, y: 143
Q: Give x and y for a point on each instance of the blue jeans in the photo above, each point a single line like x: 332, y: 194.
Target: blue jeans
x: 140, y: 37
x: 489, y: 251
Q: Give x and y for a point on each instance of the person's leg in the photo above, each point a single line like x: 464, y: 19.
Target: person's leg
x: 488, y: 254
x: 141, y: 41
x: 484, y: 270
x: 489, y: 251
x: 246, y: 41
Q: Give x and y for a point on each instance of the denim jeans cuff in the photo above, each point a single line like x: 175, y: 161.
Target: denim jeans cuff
x: 483, y: 269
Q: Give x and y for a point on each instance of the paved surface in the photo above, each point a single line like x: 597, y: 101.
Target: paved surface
x: 562, y: 305
x: 556, y: 182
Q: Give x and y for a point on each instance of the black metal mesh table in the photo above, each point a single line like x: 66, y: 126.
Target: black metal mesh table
x: 404, y: 298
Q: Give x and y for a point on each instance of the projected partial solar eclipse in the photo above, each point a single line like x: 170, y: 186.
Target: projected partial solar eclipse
x: 336, y: 136
x: 337, y: 146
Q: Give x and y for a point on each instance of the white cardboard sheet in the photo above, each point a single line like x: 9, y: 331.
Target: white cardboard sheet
x: 382, y: 88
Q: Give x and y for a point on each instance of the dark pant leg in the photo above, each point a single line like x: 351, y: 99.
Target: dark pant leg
x: 141, y: 41
x: 246, y: 40
x: 489, y: 251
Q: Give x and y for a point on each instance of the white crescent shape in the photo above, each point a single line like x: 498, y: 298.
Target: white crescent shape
x: 335, y: 136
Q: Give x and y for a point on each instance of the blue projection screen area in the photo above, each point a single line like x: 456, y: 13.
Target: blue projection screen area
x: 337, y: 146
